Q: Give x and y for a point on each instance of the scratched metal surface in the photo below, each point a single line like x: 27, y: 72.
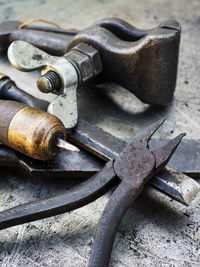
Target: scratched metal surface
x: 156, y: 231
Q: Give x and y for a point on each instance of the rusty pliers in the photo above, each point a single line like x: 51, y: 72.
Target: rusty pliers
x: 134, y: 167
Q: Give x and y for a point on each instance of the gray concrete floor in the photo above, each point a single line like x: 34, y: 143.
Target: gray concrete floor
x: 156, y: 231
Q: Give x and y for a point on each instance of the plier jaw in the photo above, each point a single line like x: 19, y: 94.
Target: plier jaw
x: 137, y: 160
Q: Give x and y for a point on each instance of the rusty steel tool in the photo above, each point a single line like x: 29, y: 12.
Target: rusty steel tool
x: 142, y: 61
x: 130, y: 171
x: 50, y: 39
x: 104, y: 145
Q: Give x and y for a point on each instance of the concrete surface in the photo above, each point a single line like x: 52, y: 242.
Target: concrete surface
x: 156, y: 231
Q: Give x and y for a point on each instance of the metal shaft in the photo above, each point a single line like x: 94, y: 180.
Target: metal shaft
x: 65, y: 145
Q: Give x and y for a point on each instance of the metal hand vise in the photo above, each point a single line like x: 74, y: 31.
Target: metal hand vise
x: 144, y: 62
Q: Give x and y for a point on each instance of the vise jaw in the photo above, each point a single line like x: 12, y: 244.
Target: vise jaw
x: 144, y: 62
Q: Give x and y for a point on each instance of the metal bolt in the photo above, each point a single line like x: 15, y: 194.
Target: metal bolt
x: 49, y: 82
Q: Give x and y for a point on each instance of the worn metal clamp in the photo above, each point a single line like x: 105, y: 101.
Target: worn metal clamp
x: 144, y: 62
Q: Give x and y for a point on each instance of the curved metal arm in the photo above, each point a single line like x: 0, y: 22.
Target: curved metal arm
x: 71, y: 199
x: 120, y: 201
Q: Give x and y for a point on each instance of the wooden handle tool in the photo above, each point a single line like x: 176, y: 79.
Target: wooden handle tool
x: 32, y: 132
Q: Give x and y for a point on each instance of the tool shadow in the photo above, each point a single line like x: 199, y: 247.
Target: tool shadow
x: 96, y: 103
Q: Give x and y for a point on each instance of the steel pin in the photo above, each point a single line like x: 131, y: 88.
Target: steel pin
x: 65, y: 145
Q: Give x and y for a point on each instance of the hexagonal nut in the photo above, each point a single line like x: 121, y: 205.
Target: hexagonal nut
x: 93, y: 54
x: 82, y: 64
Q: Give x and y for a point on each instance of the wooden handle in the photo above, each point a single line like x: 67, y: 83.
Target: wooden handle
x: 30, y: 131
x: 8, y: 109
